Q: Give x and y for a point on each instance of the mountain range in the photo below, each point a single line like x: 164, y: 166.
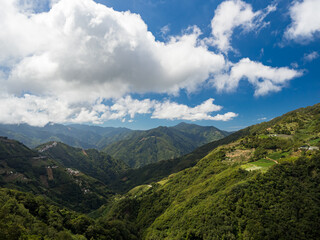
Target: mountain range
x: 140, y: 148
x: 136, y: 148
x: 261, y: 182
x: 75, y: 135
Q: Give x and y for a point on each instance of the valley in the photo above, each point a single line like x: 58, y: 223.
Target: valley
x: 261, y: 182
x: 159, y: 120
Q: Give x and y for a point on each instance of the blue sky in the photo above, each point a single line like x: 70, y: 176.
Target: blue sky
x: 229, y: 64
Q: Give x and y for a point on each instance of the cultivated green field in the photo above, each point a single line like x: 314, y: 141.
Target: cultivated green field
x: 262, y: 164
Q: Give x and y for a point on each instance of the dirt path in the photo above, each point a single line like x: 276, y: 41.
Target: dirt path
x: 84, y: 152
x: 272, y: 160
x: 50, y: 173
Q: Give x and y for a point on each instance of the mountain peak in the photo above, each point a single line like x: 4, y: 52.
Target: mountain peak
x: 182, y: 124
x: 186, y: 125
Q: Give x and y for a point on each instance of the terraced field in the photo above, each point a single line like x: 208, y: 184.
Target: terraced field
x: 262, y: 164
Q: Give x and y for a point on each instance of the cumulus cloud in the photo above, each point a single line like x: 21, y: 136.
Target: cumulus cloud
x: 38, y: 111
x: 265, y: 79
x: 173, y: 111
x: 169, y: 110
x: 232, y: 14
x: 311, y: 56
x: 224, y: 117
x: 305, y: 21
x: 62, y: 64
x: 33, y: 110
x: 81, y: 47
x: 128, y: 106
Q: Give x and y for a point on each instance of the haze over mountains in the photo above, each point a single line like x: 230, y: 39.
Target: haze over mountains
x: 83, y: 136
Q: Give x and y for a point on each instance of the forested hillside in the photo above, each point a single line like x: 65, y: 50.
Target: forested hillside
x: 136, y: 148
x: 262, y: 182
x: 304, y: 128
x: 90, y: 161
x: 144, y: 147
x: 33, y: 171
x: 25, y: 216
x: 159, y: 120
x: 265, y: 185
x: 156, y: 171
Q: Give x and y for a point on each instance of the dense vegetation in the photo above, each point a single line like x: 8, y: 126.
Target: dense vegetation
x: 136, y: 148
x: 264, y: 185
x: 156, y: 171
x: 262, y: 182
x: 144, y: 147
x: 223, y: 202
x: 24, y: 216
x: 26, y: 170
x: 93, y: 163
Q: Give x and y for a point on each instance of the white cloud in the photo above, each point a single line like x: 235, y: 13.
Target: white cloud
x: 311, y: 56
x: 294, y: 65
x: 172, y: 111
x: 72, y: 58
x: 164, y: 30
x: 232, y: 14
x: 33, y: 110
x: 128, y: 106
x: 305, y: 21
x: 82, y: 47
x: 265, y: 79
x: 224, y: 117
x: 38, y: 111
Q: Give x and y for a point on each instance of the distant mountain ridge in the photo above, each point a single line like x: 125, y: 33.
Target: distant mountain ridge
x: 140, y: 148
x: 135, y: 147
x: 75, y: 135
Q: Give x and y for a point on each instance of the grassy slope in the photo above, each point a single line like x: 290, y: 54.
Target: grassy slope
x: 156, y: 171
x: 218, y: 199
x: 303, y: 125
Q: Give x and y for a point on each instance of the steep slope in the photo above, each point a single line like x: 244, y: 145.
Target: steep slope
x: 25, y: 216
x: 90, y: 161
x: 262, y: 182
x: 144, y: 147
x: 26, y: 170
x: 264, y: 185
x: 137, y: 148
x: 75, y: 135
x: 158, y: 170
x: 201, y: 134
